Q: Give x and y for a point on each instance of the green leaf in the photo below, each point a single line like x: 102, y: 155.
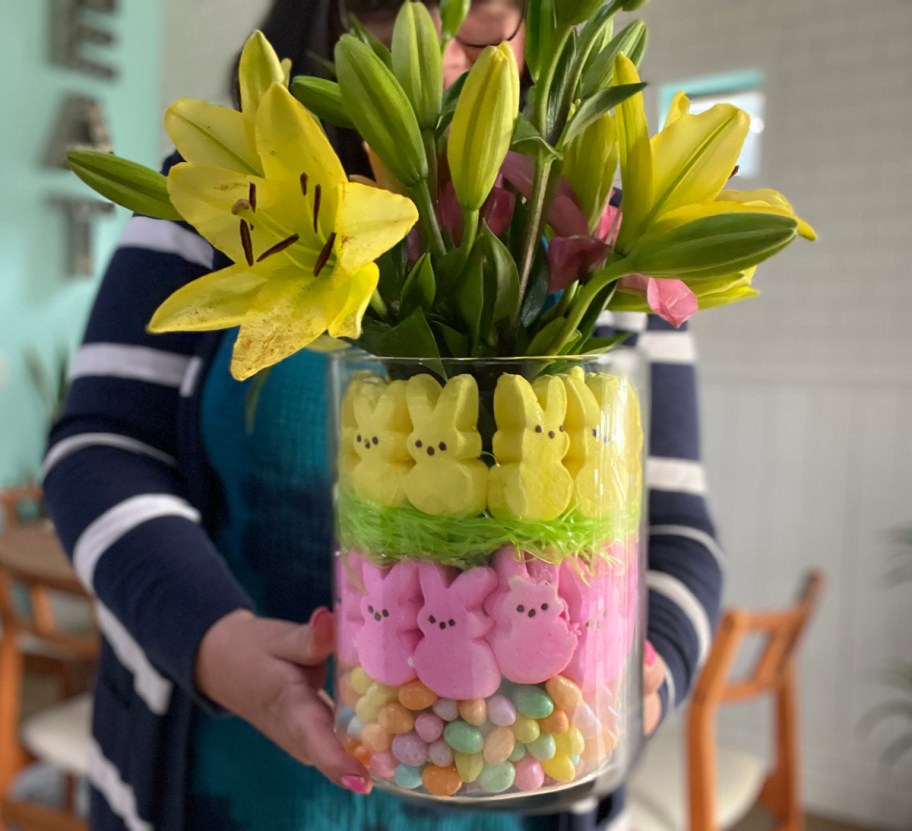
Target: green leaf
x: 712, y: 246
x: 452, y: 15
x: 543, y: 341
x: 134, y: 186
x: 412, y: 338
x: 456, y: 342
x: 502, y: 277
x: 562, y: 91
x: 470, y: 295
x: 527, y: 140
x: 393, y: 267
x: 596, y: 307
x: 596, y: 106
x: 420, y: 287
x: 599, y: 71
x: 324, y: 99
x: 596, y: 346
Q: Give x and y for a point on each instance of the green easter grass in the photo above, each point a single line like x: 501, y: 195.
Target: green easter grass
x: 388, y: 534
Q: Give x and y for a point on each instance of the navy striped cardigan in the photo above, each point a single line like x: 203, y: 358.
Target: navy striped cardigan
x: 127, y: 485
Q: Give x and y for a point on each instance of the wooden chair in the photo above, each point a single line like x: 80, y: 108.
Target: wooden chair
x: 35, y: 577
x: 685, y: 780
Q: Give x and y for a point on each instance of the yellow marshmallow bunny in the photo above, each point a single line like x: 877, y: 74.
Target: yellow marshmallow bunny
x: 448, y: 478
x: 529, y: 481
x: 382, y: 428
x: 617, y: 397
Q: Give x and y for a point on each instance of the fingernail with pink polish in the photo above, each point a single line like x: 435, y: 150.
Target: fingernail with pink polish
x: 356, y: 784
x: 649, y: 654
x: 319, y: 615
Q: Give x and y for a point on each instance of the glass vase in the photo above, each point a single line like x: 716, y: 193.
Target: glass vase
x: 487, y: 574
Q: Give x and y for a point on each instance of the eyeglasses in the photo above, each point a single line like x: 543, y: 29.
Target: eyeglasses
x: 488, y: 23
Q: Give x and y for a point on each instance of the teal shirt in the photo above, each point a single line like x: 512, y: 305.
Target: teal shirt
x: 274, y: 528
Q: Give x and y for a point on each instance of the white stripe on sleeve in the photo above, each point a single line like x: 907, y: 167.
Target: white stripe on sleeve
x: 150, y: 685
x: 73, y: 444
x: 668, y: 347
x: 118, y: 794
x: 694, y: 534
x: 675, y: 475
x: 137, y: 363
x: 624, y: 321
x: 191, y: 377
x: 168, y: 238
x: 108, y: 528
x: 683, y: 598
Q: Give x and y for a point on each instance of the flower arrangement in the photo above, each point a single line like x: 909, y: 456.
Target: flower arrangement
x: 490, y: 476
x: 484, y: 206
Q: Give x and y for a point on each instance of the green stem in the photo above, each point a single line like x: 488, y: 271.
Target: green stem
x: 430, y: 150
x: 379, y: 306
x: 560, y: 307
x: 469, y: 232
x: 422, y: 195
x: 610, y: 274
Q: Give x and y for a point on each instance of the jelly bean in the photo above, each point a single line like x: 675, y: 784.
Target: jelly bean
x: 416, y: 696
x: 441, y: 754
x: 564, y: 693
x: 501, y: 711
x: 407, y: 777
x: 570, y: 743
x: 377, y: 696
x: 463, y: 737
x: 409, y: 749
x: 532, y: 701
x: 441, y: 781
x: 446, y: 708
x: 355, y: 726
x: 499, y: 744
x: 560, y: 768
x: 529, y: 774
x: 395, y: 719
x: 544, y: 747
x: 526, y: 729
x: 362, y: 754
x: 429, y: 727
x: 469, y: 765
x: 383, y: 765
x: 347, y: 695
x: 575, y: 759
x: 474, y: 711
x: 519, y: 751
x: 557, y: 722
x: 343, y: 716
x: 497, y: 778
x: 600, y: 747
x: 585, y: 719
x: 375, y: 737
x: 360, y: 680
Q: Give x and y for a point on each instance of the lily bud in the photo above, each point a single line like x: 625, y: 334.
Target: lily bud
x: 259, y: 69
x: 571, y: 12
x: 380, y: 110
x: 483, y: 125
x: 590, y: 161
x: 418, y: 62
x: 323, y: 98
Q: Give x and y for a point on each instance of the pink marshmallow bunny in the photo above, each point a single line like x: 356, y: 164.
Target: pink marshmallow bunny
x: 453, y: 658
x: 349, y: 589
x: 598, y: 606
x: 387, y: 640
x: 532, y: 638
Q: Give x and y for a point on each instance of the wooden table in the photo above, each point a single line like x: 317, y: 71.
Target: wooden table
x: 32, y: 553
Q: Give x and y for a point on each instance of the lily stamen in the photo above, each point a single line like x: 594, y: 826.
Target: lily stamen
x: 246, y: 242
x: 251, y: 196
x: 279, y: 246
x: 318, y: 192
x: 241, y: 205
x: 303, y: 180
x: 324, y: 254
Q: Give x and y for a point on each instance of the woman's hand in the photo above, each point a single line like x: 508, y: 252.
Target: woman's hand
x: 271, y: 674
x: 654, y: 670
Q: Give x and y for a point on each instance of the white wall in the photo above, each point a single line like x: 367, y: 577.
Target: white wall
x: 807, y: 390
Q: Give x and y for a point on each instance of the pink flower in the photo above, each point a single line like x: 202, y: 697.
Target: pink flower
x: 672, y: 300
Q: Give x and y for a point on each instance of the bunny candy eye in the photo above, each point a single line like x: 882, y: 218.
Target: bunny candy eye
x: 544, y: 607
x: 532, y: 612
x: 432, y: 619
x: 443, y: 624
x: 386, y: 613
x: 375, y: 440
x: 561, y: 428
x: 430, y: 451
x: 370, y: 609
x: 442, y: 446
x: 539, y: 428
x: 550, y: 434
x: 451, y: 622
x: 419, y: 444
x: 594, y: 433
x: 520, y: 608
x: 358, y: 438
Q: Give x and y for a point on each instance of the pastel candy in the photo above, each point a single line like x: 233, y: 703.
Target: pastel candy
x: 407, y: 777
x: 519, y: 751
x: 533, y: 702
x: 429, y: 727
x: 560, y: 768
x: 474, y: 711
x: 441, y: 754
x: 362, y: 754
x: 396, y: 719
x: 383, y: 765
x: 410, y: 749
x: 347, y: 695
x: 501, y: 711
x: 446, y: 708
x: 377, y: 696
x: 497, y: 778
x: 586, y: 720
x: 360, y: 680
x: 564, y: 693
x: 441, y: 781
x: 416, y: 696
x: 570, y: 743
x: 526, y: 729
x: 543, y: 748
x: 558, y: 722
x: 375, y: 737
x: 343, y: 716
x: 463, y: 737
x: 499, y: 744
x: 469, y: 765
x: 529, y: 774
x: 355, y: 726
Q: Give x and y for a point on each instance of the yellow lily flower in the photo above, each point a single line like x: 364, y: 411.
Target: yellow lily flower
x: 303, y: 240
x: 205, y: 133
x: 679, y: 174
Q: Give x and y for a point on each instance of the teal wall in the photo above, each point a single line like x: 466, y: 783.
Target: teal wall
x: 43, y: 308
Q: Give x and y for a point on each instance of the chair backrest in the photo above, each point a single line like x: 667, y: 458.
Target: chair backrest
x: 773, y: 673
x: 12, y: 500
